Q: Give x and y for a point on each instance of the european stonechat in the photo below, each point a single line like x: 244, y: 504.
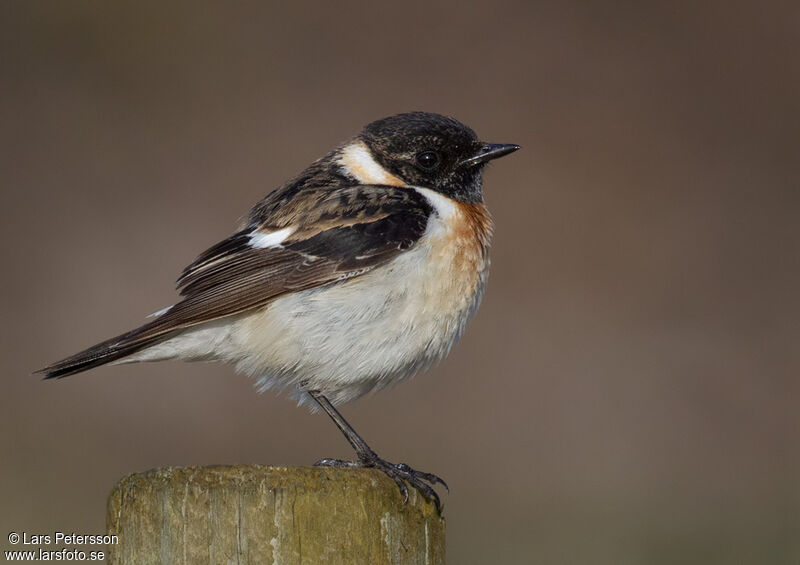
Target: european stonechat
x: 359, y: 272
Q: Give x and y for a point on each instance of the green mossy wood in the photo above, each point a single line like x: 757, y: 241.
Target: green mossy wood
x: 279, y: 515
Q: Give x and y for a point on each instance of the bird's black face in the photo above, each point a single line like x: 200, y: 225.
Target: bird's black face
x: 433, y: 151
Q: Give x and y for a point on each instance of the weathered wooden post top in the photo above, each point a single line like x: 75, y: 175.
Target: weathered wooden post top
x: 271, y: 515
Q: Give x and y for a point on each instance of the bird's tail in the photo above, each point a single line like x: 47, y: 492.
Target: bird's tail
x: 110, y: 350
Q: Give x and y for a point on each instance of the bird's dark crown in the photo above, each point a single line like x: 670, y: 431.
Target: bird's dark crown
x: 432, y: 151
x: 418, y: 149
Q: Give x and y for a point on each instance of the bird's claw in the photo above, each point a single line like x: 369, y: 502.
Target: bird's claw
x: 428, y: 477
x: 401, y: 473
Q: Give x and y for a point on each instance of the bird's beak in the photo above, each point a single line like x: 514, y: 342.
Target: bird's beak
x: 489, y: 151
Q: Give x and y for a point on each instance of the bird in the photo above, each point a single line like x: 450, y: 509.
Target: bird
x: 359, y: 272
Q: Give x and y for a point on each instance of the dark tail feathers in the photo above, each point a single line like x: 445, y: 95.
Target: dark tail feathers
x: 107, y: 351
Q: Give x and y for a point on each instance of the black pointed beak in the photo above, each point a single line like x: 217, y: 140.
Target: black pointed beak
x: 489, y: 151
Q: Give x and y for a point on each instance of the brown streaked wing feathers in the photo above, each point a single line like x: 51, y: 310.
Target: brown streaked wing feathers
x: 369, y: 226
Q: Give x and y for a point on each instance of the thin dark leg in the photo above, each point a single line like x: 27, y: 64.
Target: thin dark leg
x: 362, y: 449
x: 400, y: 472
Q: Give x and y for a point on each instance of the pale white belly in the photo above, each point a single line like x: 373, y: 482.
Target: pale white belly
x: 351, y: 338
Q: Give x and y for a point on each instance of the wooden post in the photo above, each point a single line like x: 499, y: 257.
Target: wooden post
x: 270, y: 515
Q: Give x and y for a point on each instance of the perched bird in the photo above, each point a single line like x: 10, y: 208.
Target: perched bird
x: 359, y: 272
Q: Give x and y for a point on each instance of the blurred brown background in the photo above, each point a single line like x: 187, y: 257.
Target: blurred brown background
x: 629, y: 391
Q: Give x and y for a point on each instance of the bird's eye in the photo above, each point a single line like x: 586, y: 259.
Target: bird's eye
x: 428, y: 160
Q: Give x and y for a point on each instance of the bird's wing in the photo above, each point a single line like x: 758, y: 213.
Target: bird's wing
x: 317, y: 238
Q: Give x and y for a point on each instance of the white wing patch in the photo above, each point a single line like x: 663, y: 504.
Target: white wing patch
x: 262, y: 240
x: 160, y: 312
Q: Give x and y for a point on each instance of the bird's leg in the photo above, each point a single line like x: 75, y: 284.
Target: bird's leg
x: 400, y: 472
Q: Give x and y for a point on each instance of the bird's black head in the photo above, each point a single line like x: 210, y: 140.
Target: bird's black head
x: 432, y: 151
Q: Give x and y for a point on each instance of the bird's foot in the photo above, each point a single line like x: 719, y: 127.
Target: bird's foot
x: 401, y: 473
